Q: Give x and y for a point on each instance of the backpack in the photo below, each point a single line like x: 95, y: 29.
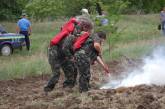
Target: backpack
x: 73, y: 43
x: 80, y: 40
x: 67, y: 29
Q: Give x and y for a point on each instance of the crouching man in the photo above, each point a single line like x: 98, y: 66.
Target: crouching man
x: 84, y: 55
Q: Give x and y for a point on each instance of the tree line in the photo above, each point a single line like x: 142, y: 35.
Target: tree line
x: 40, y: 9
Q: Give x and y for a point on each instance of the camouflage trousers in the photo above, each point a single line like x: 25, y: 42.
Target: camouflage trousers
x: 83, y: 65
x: 57, y: 61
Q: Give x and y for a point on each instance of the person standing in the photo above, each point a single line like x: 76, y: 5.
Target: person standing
x: 162, y: 18
x: 24, y: 27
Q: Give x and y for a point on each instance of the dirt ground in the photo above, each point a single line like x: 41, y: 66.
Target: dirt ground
x: 28, y: 93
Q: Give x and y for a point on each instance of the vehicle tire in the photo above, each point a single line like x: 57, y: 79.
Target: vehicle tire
x: 6, y: 50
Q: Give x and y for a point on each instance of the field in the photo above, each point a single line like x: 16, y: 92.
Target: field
x: 24, y: 74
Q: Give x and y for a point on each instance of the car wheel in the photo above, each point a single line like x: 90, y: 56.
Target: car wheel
x: 6, y: 50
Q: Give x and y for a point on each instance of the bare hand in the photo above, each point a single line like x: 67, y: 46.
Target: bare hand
x: 94, y: 63
x: 106, y: 69
x: 29, y: 34
x: 73, y: 59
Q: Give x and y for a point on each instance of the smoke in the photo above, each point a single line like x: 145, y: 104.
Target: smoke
x: 152, y: 72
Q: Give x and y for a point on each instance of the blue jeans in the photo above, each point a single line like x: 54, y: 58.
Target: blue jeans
x: 163, y: 27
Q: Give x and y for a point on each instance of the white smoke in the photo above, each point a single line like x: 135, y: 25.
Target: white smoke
x: 153, y: 72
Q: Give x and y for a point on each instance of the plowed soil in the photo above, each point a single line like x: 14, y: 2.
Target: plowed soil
x: 28, y: 93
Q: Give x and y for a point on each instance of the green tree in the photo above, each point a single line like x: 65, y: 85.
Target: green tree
x: 55, y: 8
x: 11, y: 9
x: 40, y: 9
x: 144, y: 6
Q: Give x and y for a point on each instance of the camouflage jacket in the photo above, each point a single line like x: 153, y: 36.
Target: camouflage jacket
x: 89, y: 49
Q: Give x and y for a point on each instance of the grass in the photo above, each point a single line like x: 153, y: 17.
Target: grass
x: 21, y: 67
x: 134, y: 50
x: 138, y: 28
x: 138, y: 38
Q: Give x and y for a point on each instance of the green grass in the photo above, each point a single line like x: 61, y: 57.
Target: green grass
x: 138, y: 28
x: 17, y: 68
x: 134, y: 50
x: 138, y: 38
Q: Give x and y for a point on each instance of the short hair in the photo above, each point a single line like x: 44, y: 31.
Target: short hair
x: 85, y: 22
x: 101, y: 34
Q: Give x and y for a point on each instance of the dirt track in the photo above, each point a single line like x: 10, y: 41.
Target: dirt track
x: 28, y: 94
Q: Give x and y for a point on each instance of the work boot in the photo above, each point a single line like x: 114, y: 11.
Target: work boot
x: 69, y: 84
x: 48, y: 88
x: 81, y: 90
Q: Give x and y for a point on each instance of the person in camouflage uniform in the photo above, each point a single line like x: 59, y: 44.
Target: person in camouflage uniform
x: 69, y: 67
x: 69, y: 55
x: 57, y: 60
x: 86, y: 55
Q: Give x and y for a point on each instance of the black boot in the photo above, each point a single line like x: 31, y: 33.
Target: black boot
x: 49, y: 88
x: 69, y: 84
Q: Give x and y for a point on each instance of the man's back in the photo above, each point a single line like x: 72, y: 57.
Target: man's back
x: 24, y: 24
